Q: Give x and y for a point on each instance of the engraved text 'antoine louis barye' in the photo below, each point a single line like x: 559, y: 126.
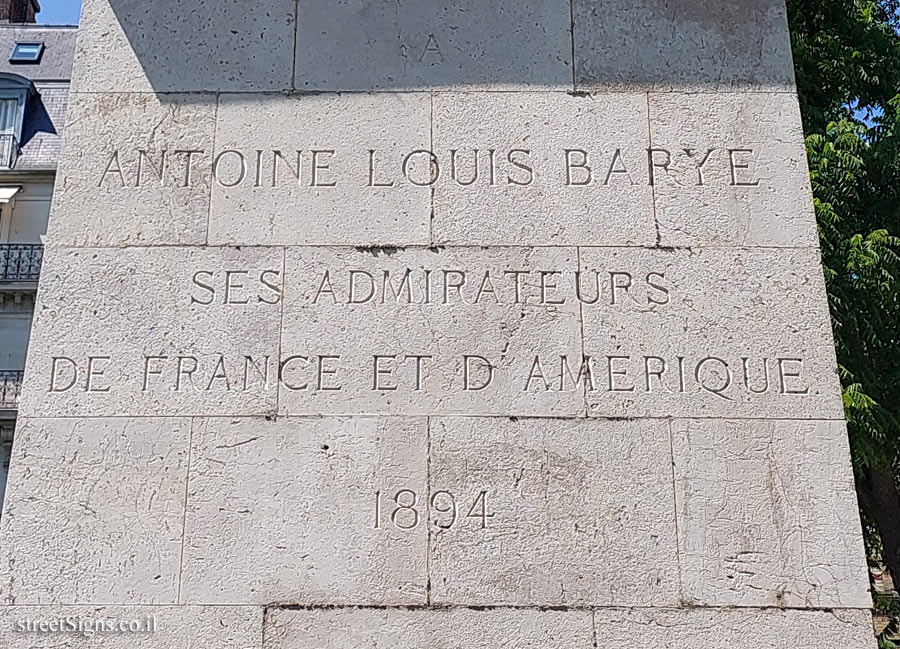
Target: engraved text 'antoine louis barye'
x: 321, y: 168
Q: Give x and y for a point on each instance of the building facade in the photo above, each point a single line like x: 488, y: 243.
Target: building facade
x: 35, y: 67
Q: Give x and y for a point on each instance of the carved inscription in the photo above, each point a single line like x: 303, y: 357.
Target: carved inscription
x: 406, y: 509
x: 326, y: 168
x: 427, y: 50
x: 438, y: 286
x: 457, y: 330
x: 722, y: 375
x: 230, y: 287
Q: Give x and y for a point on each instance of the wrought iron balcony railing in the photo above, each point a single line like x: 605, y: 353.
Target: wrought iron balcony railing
x: 10, y: 388
x: 9, y: 151
x: 20, y: 262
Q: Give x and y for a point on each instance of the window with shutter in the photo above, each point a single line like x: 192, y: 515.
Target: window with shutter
x: 9, y: 115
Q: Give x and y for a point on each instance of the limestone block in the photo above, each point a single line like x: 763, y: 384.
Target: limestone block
x: 185, y: 46
x: 156, y: 331
x: 747, y: 149
x: 763, y: 514
x: 94, y: 510
x: 286, y: 511
x: 688, y: 44
x: 422, y: 629
x: 155, y: 627
x: 412, y: 45
x: 426, y: 331
x: 706, y: 333
x: 568, y: 513
x: 734, y: 628
x: 135, y: 170
x: 552, y: 169
x: 322, y: 176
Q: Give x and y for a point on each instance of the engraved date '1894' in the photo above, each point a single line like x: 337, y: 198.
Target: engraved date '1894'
x: 405, y: 511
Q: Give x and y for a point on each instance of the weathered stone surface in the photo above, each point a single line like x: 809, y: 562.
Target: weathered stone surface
x: 763, y: 511
x: 412, y: 45
x: 188, y: 46
x: 349, y: 147
x: 755, y: 188
x: 291, y: 355
x: 571, y: 513
x: 457, y: 628
x: 713, y: 308
x: 95, y: 512
x: 564, y: 170
x: 681, y: 45
x: 172, y: 627
x: 330, y: 344
x: 734, y: 628
x: 284, y: 511
x: 162, y: 339
x: 109, y: 193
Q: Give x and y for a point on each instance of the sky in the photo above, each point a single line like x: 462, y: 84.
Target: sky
x: 59, y: 12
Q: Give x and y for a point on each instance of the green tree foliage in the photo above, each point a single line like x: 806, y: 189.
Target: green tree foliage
x: 847, y: 61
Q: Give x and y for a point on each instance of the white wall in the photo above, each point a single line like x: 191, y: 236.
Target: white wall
x: 22, y: 220
x: 25, y: 218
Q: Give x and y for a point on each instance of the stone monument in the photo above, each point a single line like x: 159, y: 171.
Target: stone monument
x: 398, y: 324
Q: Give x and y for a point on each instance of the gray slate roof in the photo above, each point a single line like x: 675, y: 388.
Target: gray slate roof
x: 44, y: 115
x: 42, y: 129
x: 55, y: 65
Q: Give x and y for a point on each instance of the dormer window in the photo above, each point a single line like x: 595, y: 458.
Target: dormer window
x: 14, y: 93
x: 27, y: 53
